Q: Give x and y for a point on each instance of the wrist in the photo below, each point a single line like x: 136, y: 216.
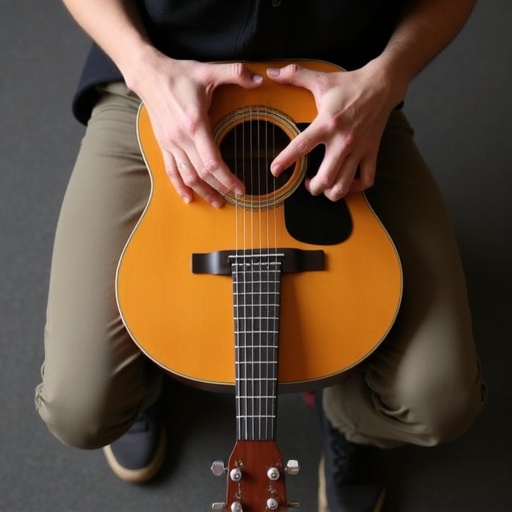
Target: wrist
x: 390, y: 77
x: 140, y: 66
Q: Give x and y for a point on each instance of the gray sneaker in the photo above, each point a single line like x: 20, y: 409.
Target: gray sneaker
x: 348, y: 480
x: 138, y: 455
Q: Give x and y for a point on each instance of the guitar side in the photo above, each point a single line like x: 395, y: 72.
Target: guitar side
x: 330, y: 320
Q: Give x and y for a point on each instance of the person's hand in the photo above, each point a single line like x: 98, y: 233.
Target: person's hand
x: 177, y: 95
x: 353, y: 109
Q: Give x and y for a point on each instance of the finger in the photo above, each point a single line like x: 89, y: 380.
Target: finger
x: 185, y: 179
x: 298, y: 147
x: 332, y: 180
x: 344, y: 180
x: 212, y: 168
x: 192, y: 180
x: 186, y: 193
x: 234, y: 73
x: 365, y: 176
x: 296, y: 75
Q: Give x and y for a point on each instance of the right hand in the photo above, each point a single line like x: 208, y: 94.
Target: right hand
x: 177, y: 95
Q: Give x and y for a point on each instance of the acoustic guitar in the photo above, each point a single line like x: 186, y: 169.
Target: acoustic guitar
x: 276, y: 291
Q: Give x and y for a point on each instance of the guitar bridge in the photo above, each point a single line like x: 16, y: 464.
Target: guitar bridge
x: 293, y: 260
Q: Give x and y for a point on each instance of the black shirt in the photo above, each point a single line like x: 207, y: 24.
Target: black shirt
x: 348, y: 33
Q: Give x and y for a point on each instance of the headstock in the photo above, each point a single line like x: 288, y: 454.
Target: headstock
x: 255, y: 478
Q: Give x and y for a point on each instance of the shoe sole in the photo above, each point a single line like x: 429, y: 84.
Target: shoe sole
x: 322, y: 492
x: 138, y: 476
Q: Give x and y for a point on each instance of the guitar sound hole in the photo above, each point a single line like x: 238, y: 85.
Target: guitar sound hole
x: 249, y: 148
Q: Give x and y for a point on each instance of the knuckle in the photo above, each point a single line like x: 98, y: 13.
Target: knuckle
x: 349, y: 142
x: 208, y: 168
x: 191, y: 180
x: 237, y: 69
x: 333, y: 124
x: 171, y: 171
x: 210, y: 164
x: 292, y: 68
x: 191, y: 122
x: 337, y: 192
x: 203, y: 173
x: 323, y: 183
x: 303, y: 145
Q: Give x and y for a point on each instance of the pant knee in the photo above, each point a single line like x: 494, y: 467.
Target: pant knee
x: 452, y: 423
x: 439, y: 419
x: 79, y: 426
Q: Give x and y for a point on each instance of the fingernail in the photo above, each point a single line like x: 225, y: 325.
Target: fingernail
x: 257, y: 79
x: 273, y: 72
x: 217, y: 203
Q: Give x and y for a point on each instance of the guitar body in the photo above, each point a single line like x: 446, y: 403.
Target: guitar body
x: 330, y: 320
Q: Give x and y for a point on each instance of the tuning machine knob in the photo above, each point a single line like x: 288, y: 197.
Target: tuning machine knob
x: 218, y: 468
x: 236, y: 506
x: 292, y: 467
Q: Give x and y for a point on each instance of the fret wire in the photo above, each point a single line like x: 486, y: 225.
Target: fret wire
x: 251, y: 345
x: 256, y: 280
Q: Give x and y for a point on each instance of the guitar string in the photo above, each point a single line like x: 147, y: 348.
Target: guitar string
x: 276, y: 301
x: 270, y: 308
x: 245, y: 306
x: 241, y: 300
x: 251, y: 276
x: 261, y: 381
x: 256, y: 280
x: 243, y: 339
x: 268, y: 408
x: 236, y: 288
x: 267, y: 245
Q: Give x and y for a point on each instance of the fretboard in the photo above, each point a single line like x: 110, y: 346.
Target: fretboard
x: 256, y: 292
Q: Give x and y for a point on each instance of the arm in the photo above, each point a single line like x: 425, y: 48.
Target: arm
x: 428, y: 26
x: 353, y: 107
x: 177, y: 95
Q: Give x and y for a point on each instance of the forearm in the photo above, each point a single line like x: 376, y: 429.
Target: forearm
x: 116, y: 27
x: 427, y: 27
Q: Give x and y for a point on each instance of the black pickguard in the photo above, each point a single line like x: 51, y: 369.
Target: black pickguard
x: 315, y: 219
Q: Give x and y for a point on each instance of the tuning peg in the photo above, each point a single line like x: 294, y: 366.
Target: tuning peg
x: 236, y: 506
x: 218, y: 468
x: 272, y: 504
x: 235, y: 474
x: 273, y: 474
x: 292, y: 467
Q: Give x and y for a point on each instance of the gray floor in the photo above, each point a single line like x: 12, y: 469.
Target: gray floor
x: 462, y: 109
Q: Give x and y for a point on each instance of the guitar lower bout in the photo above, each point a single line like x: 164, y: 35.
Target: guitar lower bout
x: 327, y: 320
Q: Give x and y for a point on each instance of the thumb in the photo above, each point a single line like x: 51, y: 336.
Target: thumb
x: 293, y: 74
x: 236, y: 73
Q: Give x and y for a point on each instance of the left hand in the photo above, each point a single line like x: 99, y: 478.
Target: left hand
x: 353, y: 109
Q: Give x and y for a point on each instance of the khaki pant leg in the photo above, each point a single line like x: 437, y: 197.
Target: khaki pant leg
x: 423, y: 384
x: 95, y: 380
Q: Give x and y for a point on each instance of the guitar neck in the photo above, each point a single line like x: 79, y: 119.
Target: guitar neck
x: 256, y: 294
